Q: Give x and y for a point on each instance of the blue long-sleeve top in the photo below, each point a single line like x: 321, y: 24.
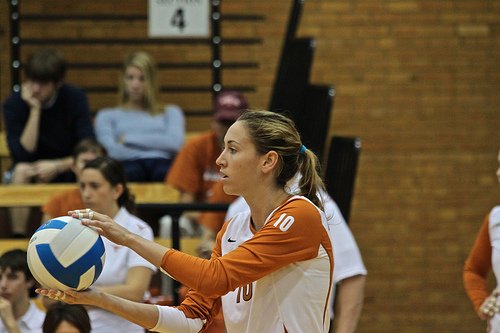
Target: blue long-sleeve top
x: 144, y: 135
x: 61, y: 126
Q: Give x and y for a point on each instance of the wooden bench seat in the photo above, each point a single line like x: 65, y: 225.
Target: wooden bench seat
x: 36, y: 195
x: 188, y: 245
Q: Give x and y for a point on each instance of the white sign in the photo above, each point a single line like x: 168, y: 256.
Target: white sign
x: 179, y: 18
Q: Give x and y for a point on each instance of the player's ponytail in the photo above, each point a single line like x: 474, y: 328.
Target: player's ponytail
x: 310, y: 183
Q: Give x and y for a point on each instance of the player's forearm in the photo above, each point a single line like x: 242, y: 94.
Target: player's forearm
x: 349, y: 304
x: 145, y: 315
x: 123, y: 291
x: 149, y: 250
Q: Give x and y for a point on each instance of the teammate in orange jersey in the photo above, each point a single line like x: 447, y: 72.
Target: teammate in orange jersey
x: 485, y: 256
x: 271, y: 268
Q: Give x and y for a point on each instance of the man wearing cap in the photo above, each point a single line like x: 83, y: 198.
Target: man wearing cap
x: 194, y: 171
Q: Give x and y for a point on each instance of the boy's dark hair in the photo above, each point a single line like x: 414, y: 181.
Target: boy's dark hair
x: 46, y: 65
x: 17, y: 261
x: 89, y: 145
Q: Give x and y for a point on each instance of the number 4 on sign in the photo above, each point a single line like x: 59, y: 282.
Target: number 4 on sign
x: 178, y: 19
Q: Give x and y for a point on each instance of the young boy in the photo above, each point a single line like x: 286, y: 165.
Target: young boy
x: 18, y: 313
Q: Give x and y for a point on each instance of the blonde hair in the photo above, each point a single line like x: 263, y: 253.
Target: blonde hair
x: 273, y: 131
x: 146, y: 64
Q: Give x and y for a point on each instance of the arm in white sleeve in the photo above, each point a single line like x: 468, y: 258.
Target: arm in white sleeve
x: 172, y: 320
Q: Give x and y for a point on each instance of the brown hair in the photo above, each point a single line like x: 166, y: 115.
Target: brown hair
x: 46, y: 65
x: 75, y: 314
x: 113, y: 172
x: 89, y: 145
x: 273, y: 131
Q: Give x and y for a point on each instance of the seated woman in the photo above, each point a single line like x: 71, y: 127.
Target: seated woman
x: 125, y: 273
x: 140, y: 133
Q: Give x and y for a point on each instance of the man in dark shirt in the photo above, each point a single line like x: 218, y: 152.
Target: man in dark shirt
x: 44, y: 122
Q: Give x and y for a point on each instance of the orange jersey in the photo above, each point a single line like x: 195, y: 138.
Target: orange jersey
x: 194, y: 169
x: 61, y: 203
x: 276, y: 279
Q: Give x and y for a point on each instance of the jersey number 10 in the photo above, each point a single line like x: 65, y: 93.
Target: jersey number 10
x: 284, y: 222
x: 245, y: 292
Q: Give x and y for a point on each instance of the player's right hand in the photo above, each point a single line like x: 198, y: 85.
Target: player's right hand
x: 103, y: 224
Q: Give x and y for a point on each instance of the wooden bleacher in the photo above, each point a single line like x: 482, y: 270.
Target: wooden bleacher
x: 188, y: 245
x: 36, y: 195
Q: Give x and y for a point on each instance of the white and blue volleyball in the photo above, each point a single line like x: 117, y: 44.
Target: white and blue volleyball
x: 64, y: 254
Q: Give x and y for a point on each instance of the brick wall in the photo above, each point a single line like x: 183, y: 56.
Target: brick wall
x: 418, y: 81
